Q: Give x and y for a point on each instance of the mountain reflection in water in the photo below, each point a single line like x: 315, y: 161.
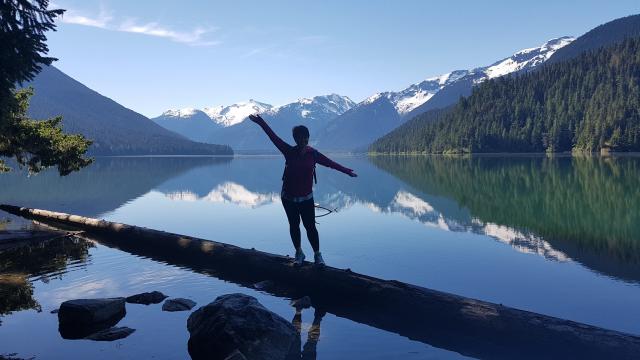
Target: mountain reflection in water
x: 563, y: 208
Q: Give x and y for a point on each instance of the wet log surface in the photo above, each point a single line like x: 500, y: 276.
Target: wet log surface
x: 470, y: 327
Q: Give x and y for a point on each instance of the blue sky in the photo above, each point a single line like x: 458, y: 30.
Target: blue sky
x: 154, y: 55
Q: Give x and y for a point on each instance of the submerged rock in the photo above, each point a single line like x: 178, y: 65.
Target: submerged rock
x: 178, y: 304
x: 82, y: 317
x: 111, y: 334
x: 239, y: 322
x: 302, y: 303
x: 146, y: 298
x: 263, y: 285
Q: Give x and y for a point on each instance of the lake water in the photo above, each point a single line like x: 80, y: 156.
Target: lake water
x: 558, y: 236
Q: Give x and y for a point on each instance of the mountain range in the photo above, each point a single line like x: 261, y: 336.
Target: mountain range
x: 225, y: 124
x: 384, y: 112
x: 336, y: 122
x: 584, y: 99
x: 114, y: 129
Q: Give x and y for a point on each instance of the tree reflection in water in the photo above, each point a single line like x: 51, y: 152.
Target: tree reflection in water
x: 25, y: 263
x: 586, y: 207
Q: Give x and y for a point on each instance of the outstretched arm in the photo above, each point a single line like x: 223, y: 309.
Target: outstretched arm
x: 325, y: 161
x: 275, y: 139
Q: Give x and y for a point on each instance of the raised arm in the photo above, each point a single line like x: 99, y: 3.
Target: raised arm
x: 325, y: 161
x: 275, y: 139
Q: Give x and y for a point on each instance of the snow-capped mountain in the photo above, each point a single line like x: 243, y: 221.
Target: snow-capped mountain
x: 317, y: 108
x: 522, y: 61
x: 382, y: 112
x: 227, y: 123
x: 525, y: 59
x: 236, y: 113
x: 188, y: 122
x: 201, y: 125
x: 336, y: 122
x: 417, y: 94
x: 314, y: 113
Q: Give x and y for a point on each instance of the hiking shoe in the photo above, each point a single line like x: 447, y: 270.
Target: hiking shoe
x: 299, y: 258
x: 318, y: 259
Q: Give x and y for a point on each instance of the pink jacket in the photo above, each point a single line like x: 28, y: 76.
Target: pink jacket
x: 297, y: 180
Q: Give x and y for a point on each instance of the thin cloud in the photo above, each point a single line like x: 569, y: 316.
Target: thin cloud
x: 104, y: 20
x: 194, y: 37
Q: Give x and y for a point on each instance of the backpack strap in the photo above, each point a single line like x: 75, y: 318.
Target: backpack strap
x: 315, y: 158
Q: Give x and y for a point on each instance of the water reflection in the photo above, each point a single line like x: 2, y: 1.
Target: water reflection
x: 309, y: 349
x: 102, y: 187
x: 228, y: 192
x: 25, y: 263
x: 586, y: 209
x: 563, y: 209
x: 534, y: 205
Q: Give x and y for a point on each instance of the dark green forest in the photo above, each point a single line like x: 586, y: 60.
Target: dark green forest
x: 589, y: 103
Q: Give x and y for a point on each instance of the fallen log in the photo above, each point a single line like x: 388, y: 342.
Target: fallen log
x: 467, y: 326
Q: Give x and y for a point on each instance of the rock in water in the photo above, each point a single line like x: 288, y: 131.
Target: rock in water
x: 263, y: 285
x: 239, y: 322
x: 82, y: 317
x: 178, y: 304
x: 146, y: 298
x: 114, y: 333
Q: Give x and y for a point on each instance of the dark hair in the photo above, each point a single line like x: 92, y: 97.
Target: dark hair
x: 300, y: 132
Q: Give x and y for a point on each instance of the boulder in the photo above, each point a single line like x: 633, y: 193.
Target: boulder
x: 302, y: 303
x: 236, y: 355
x: 239, y: 322
x: 111, y: 334
x: 178, y: 304
x: 146, y: 298
x: 82, y: 317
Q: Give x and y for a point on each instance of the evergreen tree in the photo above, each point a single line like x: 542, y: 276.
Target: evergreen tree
x: 23, y: 24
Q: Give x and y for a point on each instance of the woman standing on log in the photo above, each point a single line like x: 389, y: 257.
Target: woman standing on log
x: 297, y: 185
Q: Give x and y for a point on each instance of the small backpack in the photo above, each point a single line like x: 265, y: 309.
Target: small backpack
x: 315, y: 158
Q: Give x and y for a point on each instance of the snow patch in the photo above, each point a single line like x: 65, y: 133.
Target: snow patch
x: 236, y: 113
x: 180, y: 113
x: 405, y: 105
x: 372, y: 98
x: 228, y: 192
x: 525, y: 243
x: 527, y: 58
x: 406, y: 200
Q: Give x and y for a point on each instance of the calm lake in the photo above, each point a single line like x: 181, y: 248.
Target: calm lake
x: 558, y: 236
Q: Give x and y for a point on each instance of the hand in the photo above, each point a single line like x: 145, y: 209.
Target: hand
x: 255, y: 118
x: 352, y: 174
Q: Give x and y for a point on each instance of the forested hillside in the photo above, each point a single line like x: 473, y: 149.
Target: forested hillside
x: 589, y: 103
